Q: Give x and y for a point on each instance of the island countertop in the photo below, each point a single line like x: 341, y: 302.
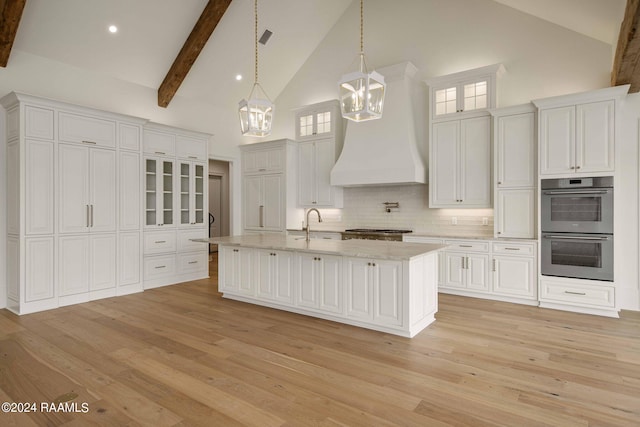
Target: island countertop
x: 378, y: 249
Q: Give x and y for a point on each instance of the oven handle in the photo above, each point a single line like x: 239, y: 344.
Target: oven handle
x: 548, y: 236
x: 550, y: 193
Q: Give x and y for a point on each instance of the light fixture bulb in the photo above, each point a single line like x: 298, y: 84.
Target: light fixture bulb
x: 113, y: 29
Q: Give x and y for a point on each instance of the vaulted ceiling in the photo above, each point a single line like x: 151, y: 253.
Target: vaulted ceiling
x: 152, y: 33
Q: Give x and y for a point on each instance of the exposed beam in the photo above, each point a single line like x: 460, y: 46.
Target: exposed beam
x: 10, y: 14
x: 626, y: 64
x: 201, y: 32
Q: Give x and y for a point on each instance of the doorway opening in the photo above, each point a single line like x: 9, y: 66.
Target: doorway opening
x: 219, y: 203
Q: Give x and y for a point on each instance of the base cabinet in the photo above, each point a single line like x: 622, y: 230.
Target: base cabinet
x: 398, y: 297
x: 583, y: 296
x: 513, y: 276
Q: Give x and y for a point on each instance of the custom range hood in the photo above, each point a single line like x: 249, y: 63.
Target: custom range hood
x: 384, y: 151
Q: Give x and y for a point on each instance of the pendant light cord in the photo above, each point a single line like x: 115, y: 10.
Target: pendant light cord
x: 255, y: 12
x: 362, y: 27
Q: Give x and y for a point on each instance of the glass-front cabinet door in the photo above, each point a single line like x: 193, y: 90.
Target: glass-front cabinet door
x: 159, y: 205
x: 192, y: 193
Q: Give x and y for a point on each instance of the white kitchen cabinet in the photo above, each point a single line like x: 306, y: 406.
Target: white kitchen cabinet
x: 237, y: 275
x: 269, y: 192
x: 463, y: 94
x: 191, y: 148
x: 319, y: 282
x: 40, y: 270
x: 318, y: 120
x: 374, y: 290
x: 192, y: 199
x: 87, y: 189
x: 86, y: 264
x: 129, y: 261
x: 459, y: 164
x: 577, y: 132
x: 514, y: 171
x: 514, y: 214
x: 85, y: 129
x: 275, y: 275
x: 159, y: 192
x: 129, y: 192
x: 129, y: 137
x: 158, y: 142
x: 466, y: 271
x: 315, y: 160
x: 513, y: 276
x: 39, y: 181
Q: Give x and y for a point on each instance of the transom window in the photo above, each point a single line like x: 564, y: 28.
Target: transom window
x: 324, y: 122
x: 306, y: 125
x: 446, y: 101
x: 475, y: 96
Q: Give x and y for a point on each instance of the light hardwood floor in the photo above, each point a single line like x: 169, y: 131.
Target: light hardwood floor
x: 181, y: 355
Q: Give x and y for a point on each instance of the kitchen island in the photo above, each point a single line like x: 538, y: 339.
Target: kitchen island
x: 386, y: 286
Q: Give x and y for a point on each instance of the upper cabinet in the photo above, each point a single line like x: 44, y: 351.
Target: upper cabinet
x: 319, y: 132
x: 318, y: 120
x: 577, y: 132
x: 463, y: 94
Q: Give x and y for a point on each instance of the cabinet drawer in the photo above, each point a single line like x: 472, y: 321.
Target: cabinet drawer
x: 513, y: 248
x: 193, y: 262
x: 159, y: 143
x: 159, y: 266
x: 189, y: 148
x: 578, y: 294
x: 468, y: 245
x: 86, y: 130
x: 155, y: 243
x: 184, y: 240
x: 260, y: 161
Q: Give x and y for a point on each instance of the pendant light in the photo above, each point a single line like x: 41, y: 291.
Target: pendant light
x: 361, y: 92
x: 256, y: 113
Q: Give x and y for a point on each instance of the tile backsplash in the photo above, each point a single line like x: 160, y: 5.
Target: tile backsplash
x: 364, y: 207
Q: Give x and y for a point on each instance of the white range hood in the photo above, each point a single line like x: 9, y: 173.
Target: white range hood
x: 384, y: 151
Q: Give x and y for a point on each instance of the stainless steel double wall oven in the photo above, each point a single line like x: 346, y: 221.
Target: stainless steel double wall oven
x: 577, y: 228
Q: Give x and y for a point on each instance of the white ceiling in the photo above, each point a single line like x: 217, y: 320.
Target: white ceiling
x: 153, y: 31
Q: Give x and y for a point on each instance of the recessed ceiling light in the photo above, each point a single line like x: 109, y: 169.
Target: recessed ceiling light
x: 238, y: 77
x: 113, y: 29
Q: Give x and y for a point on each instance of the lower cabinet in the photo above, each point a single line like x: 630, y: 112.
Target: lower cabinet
x: 275, y: 275
x: 171, y: 256
x: 319, y: 281
x: 493, y: 269
x: 399, y: 297
x: 86, y: 266
x: 579, y: 295
x: 374, y: 290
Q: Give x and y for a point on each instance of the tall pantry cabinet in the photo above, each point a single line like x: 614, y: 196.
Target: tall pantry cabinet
x: 74, y: 204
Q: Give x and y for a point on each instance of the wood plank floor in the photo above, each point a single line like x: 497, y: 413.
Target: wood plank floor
x: 183, y: 356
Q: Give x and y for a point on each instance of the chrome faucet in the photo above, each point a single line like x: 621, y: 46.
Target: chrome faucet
x: 308, y: 229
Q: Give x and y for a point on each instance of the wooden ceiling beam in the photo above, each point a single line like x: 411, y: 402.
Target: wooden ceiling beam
x: 201, y: 32
x: 626, y: 64
x: 10, y: 14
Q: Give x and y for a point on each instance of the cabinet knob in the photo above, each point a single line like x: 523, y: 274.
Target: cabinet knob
x: 499, y: 182
x: 577, y: 167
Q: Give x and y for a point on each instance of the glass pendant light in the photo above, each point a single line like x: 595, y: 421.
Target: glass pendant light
x: 256, y: 113
x: 361, y: 92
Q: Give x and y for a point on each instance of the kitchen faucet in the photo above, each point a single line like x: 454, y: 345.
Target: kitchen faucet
x: 319, y: 220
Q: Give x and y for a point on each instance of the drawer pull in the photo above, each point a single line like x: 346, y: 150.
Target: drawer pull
x: 575, y: 293
x: 511, y: 249
x: 193, y: 262
x: 261, y: 170
x: 465, y: 246
x: 161, y: 266
x: 193, y: 157
x: 90, y: 142
x: 161, y: 241
x: 161, y: 152
x: 235, y: 250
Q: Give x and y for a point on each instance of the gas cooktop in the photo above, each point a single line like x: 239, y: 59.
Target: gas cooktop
x: 374, y: 234
x: 376, y: 230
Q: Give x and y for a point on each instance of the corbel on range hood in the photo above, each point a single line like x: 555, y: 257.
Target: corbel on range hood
x: 384, y: 151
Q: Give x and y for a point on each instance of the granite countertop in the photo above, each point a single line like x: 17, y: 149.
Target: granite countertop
x: 378, y: 249
x: 463, y: 237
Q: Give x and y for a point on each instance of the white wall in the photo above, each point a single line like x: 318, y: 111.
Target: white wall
x: 3, y: 210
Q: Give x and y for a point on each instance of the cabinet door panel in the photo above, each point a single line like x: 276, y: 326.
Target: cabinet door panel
x: 330, y: 281
x: 273, y: 202
x: 443, y: 164
x: 453, y: 272
x: 358, y: 280
x: 515, y: 213
x: 39, y: 270
x: 103, y: 190
x: 13, y: 188
x: 73, y: 189
x: 283, y: 278
x: 73, y: 270
x: 103, y: 262
x: 129, y: 137
x: 387, y: 293
x: 595, y: 137
x: 84, y: 129
x: 478, y: 272
x: 557, y: 140
x: 228, y: 262
x: 245, y: 271
x: 515, y: 151
x: 130, y: 187
x: 306, y: 174
x: 252, y: 201
x: 129, y: 266
x: 307, y: 295
x: 265, y: 273
x: 475, y: 162
x: 38, y: 123
x: 325, y: 160
x: 514, y: 276
x: 39, y: 179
